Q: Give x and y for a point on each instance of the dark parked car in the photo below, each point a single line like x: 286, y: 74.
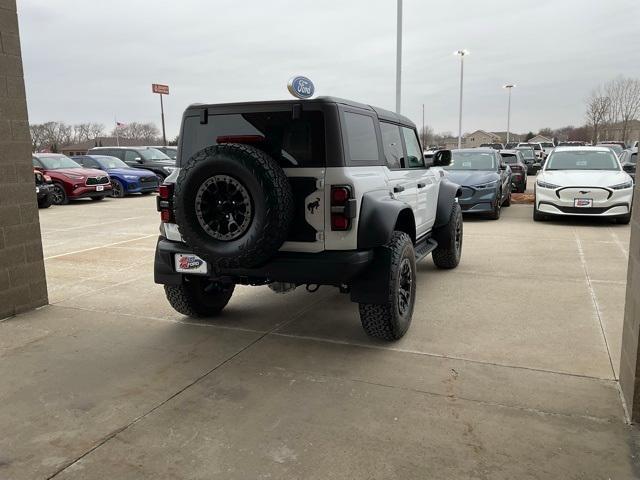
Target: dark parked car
x: 70, y: 180
x: 495, y: 146
x: 629, y: 161
x: 44, y: 189
x: 514, y: 159
x: 530, y: 159
x: 485, y: 180
x: 171, y: 152
x: 124, y: 179
x: 140, y: 157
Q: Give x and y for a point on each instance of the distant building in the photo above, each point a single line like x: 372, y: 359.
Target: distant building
x: 539, y: 139
x: 83, y: 147
x: 513, y: 137
x: 477, y: 138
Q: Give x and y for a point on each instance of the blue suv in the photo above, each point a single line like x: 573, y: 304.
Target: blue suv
x: 124, y: 179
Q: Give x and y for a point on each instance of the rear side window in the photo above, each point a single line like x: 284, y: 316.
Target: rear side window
x: 293, y: 142
x: 392, y: 143
x: 361, y: 138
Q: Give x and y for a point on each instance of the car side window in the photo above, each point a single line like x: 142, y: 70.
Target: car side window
x: 130, y: 156
x: 415, y: 157
x: 392, y: 143
x: 361, y: 139
x: 89, y: 163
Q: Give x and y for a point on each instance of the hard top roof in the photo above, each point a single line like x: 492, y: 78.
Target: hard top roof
x: 381, y: 112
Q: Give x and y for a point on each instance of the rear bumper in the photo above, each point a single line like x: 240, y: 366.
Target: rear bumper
x: 323, y: 268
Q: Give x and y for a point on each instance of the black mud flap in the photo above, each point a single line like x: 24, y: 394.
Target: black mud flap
x: 372, y: 285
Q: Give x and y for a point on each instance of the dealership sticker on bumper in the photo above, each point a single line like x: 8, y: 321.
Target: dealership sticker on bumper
x: 190, y: 263
x: 99, y: 188
x: 583, y: 202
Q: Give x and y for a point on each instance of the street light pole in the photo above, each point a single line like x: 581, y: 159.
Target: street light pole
x: 509, y: 87
x: 399, y: 57
x: 462, y: 54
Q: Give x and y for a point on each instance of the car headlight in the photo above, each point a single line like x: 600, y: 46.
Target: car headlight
x: 485, y: 185
x: 542, y: 184
x: 622, y: 186
x: 130, y: 177
x: 168, y: 169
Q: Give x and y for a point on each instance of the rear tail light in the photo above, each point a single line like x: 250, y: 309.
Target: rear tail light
x: 165, y: 203
x: 343, y: 207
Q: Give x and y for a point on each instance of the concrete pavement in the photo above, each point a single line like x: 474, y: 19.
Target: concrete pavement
x: 508, y: 370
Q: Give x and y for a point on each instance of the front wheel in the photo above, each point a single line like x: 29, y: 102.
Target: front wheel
x: 45, y: 202
x: 497, y: 209
x: 537, y: 215
x: 507, y: 201
x: 390, y: 320
x: 447, y: 253
x: 59, y: 196
x: 117, y: 188
x: 199, y: 297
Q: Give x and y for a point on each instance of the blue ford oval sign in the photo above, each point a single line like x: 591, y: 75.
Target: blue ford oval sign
x: 301, y: 87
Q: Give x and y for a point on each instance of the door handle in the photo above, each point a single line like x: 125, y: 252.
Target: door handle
x: 422, y: 185
x: 398, y: 189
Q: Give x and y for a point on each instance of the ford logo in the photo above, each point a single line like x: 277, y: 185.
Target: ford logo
x: 301, y: 87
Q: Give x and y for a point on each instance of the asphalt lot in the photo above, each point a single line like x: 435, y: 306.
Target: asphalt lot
x: 508, y: 370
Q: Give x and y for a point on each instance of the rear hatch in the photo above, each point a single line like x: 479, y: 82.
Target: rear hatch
x: 294, y: 137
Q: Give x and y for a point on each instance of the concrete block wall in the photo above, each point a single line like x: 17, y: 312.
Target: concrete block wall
x: 22, y: 278
x: 629, y: 361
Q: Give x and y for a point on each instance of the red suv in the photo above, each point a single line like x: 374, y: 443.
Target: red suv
x: 70, y: 180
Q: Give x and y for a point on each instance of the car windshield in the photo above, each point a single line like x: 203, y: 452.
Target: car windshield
x: 527, y: 153
x: 57, y: 162
x: 472, y: 161
x: 152, y: 154
x: 110, y: 162
x: 509, y: 158
x: 582, y: 160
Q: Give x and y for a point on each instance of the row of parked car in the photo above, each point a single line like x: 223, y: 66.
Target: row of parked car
x: 571, y: 180
x: 104, y: 171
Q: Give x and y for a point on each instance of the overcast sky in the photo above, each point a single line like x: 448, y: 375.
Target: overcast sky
x: 93, y: 61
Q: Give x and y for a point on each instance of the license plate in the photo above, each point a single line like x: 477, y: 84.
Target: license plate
x: 190, y: 263
x: 99, y: 188
x: 583, y: 202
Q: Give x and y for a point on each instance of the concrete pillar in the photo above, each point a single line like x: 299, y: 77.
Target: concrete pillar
x: 22, y: 279
x: 630, y: 359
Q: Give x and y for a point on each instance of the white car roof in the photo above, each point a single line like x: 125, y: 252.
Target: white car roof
x: 581, y: 149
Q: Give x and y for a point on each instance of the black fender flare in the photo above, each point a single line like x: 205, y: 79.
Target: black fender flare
x: 379, y: 214
x: 447, y: 195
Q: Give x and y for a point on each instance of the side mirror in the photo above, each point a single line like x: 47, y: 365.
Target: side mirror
x: 442, y: 158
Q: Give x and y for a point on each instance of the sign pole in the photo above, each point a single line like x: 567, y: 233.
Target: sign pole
x: 164, y: 135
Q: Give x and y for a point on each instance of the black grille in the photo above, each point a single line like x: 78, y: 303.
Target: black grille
x: 102, y: 180
x: 149, y: 180
x: 583, y: 210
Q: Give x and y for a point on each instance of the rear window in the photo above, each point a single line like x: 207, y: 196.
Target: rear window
x: 510, y: 159
x: 294, y: 143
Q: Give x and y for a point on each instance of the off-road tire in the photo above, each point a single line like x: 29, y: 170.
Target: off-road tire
x: 199, y: 297
x: 59, y: 195
x: 447, y: 253
x: 45, y: 202
x: 384, y: 321
x: 267, y: 188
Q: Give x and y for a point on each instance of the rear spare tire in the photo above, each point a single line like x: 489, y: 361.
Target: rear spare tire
x: 233, y: 205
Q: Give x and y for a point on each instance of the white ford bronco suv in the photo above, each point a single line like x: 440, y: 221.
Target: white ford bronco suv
x: 304, y: 192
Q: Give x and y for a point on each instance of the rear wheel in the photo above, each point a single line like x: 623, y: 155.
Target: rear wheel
x: 199, y: 297
x: 390, y: 320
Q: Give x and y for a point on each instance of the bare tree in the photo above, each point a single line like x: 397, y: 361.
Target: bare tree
x: 145, y: 132
x: 624, y: 95
x: 598, y: 106
x: 426, y: 136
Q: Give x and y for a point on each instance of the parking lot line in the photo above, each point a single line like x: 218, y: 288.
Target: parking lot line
x: 101, y: 246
